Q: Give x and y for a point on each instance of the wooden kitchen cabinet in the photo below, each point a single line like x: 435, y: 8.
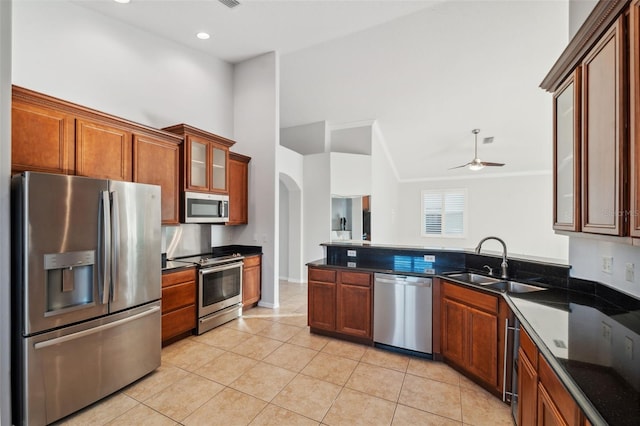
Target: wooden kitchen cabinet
x: 634, y: 114
x: 322, y: 299
x: 353, y: 302
x: 238, y: 189
x: 103, y: 150
x: 341, y: 303
x: 42, y: 137
x: 251, y: 280
x: 157, y: 161
x: 178, y: 304
x: 603, y: 134
x: 204, y: 160
x: 471, y: 336
x: 542, y: 398
x: 566, y: 154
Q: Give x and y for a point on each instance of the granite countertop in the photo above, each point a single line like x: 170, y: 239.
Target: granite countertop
x: 581, y: 327
x: 584, y: 338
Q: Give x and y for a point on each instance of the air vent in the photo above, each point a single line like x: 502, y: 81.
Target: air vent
x: 488, y: 140
x: 230, y: 3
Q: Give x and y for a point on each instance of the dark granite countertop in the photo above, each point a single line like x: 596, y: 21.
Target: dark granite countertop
x: 581, y: 327
x: 584, y: 338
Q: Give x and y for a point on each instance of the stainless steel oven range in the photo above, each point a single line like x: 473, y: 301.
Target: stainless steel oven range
x: 219, y: 289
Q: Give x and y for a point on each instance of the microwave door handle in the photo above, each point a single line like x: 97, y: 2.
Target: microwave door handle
x: 105, y: 247
x: 220, y: 209
x: 115, y: 244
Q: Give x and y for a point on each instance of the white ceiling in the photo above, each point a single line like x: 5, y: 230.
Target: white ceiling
x: 428, y: 71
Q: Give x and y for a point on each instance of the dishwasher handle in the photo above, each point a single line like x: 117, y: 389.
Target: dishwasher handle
x: 402, y: 280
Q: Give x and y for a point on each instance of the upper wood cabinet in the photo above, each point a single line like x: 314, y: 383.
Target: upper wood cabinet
x: 238, y: 189
x: 157, y: 161
x: 42, y: 137
x: 566, y: 154
x: 103, y: 151
x: 634, y: 104
x: 204, y: 160
x: 603, y: 133
x: 56, y: 136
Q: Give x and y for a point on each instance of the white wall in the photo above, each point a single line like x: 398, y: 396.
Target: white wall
x: 5, y: 229
x: 291, y: 236
x: 384, y: 203
x: 316, y: 205
x: 256, y: 128
x: 65, y: 50
x: 585, y: 258
x: 579, y: 10
x: 306, y: 139
x: 516, y: 208
x: 350, y: 174
x: 354, y: 140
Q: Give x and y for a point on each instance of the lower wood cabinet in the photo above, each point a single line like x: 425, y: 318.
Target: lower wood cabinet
x: 341, y: 303
x: 251, y: 281
x: 542, y: 398
x: 178, y: 303
x: 472, y: 333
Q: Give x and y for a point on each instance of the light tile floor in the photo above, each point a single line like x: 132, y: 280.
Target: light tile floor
x: 267, y: 369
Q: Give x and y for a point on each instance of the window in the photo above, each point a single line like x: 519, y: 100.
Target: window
x: 444, y: 213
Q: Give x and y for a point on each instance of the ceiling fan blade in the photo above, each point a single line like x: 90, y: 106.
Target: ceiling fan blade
x: 459, y: 167
x: 486, y: 163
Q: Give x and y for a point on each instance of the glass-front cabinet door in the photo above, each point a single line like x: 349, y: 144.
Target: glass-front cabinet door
x: 566, y: 150
x: 218, y: 169
x: 197, y: 164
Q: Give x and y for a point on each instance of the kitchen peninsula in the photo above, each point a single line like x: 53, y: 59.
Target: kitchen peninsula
x: 564, y: 320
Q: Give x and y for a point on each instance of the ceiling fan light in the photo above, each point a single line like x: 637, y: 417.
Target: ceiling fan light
x: 476, y: 167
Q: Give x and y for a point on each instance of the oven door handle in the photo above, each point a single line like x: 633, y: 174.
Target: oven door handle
x: 217, y: 268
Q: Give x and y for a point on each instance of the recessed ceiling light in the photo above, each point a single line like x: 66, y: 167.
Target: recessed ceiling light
x: 122, y: 1
x: 203, y: 35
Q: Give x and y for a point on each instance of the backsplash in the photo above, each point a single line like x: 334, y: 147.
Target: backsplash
x: 585, y: 257
x: 186, y: 240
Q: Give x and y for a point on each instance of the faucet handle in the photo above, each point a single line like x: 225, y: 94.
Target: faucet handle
x: 489, y: 268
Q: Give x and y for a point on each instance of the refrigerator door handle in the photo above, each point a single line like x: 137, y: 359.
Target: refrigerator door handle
x: 105, y: 247
x: 79, y: 334
x: 115, y: 244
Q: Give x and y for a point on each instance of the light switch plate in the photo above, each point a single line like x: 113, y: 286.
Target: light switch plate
x: 429, y: 258
x: 607, y: 264
x: 629, y: 272
x: 351, y: 253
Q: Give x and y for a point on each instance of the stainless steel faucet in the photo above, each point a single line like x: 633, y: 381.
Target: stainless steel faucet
x: 504, y: 265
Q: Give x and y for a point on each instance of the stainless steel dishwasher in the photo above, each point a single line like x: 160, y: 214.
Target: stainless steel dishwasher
x: 402, y: 312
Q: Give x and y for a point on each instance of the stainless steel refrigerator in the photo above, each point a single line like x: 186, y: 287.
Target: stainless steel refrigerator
x: 86, y: 282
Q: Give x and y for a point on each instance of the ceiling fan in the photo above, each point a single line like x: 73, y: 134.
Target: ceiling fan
x: 476, y: 163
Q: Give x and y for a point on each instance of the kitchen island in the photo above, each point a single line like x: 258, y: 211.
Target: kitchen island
x: 584, y: 330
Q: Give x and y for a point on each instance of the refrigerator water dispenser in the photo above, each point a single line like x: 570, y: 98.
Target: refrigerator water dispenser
x: 69, y: 280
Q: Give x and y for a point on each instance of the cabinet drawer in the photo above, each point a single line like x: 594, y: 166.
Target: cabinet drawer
x: 477, y: 299
x: 251, y: 261
x: 528, y: 347
x: 356, y: 278
x: 172, y: 278
x: 325, y: 275
x: 178, y: 322
x: 177, y: 296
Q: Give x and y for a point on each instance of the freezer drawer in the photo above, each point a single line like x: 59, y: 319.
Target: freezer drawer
x: 68, y: 369
x: 403, y: 312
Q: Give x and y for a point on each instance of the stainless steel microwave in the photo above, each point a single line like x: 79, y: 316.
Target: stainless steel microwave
x: 204, y: 208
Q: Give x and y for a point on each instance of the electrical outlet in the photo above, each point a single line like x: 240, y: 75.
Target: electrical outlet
x: 606, y: 332
x: 607, y: 264
x: 628, y: 347
x: 629, y: 272
x: 351, y: 253
x: 351, y: 264
x: 429, y: 258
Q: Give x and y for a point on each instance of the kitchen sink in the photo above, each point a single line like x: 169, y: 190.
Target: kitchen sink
x: 512, y: 287
x: 472, y: 278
